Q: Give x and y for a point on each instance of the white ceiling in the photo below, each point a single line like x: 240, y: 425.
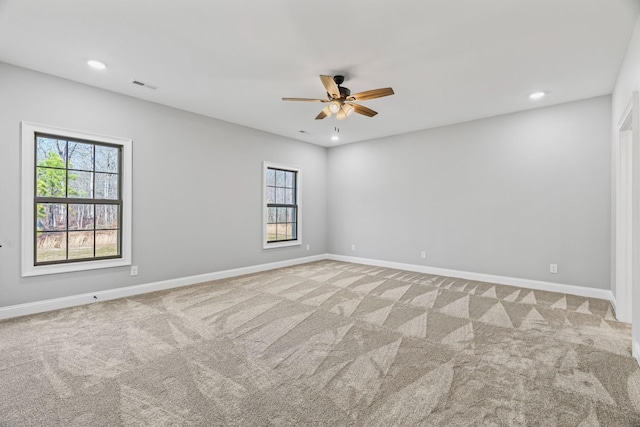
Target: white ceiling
x: 447, y: 60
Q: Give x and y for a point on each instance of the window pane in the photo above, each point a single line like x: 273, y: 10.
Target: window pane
x: 294, y: 230
x: 271, y: 195
x: 282, y: 214
x: 271, y: 177
x: 288, y: 196
x: 289, y: 232
x: 271, y: 215
x: 81, y: 217
x: 80, y: 244
x: 289, y: 180
x: 51, y: 247
x: 280, y: 180
x: 51, y: 182
x: 279, y: 195
x: 80, y: 156
x: 107, y: 243
x: 106, y: 186
x: 80, y: 184
x: 271, y: 232
x: 107, y: 216
x: 281, y: 231
x: 50, y: 151
x: 107, y: 159
x: 51, y: 217
x: 291, y: 214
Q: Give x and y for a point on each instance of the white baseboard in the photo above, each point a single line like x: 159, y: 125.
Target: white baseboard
x: 75, y: 300
x: 613, y: 301
x: 582, y: 291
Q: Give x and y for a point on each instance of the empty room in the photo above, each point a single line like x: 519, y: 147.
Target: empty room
x: 290, y: 213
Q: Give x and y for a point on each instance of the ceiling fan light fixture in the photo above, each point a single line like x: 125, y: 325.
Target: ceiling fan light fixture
x: 334, y: 106
x: 348, y: 109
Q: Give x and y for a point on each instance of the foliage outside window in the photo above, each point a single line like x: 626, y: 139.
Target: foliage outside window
x: 76, y: 200
x: 282, y: 213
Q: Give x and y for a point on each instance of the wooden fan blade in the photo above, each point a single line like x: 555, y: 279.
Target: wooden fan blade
x: 330, y: 86
x: 324, y: 113
x: 305, y: 99
x: 371, y: 94
x: 361, y: 109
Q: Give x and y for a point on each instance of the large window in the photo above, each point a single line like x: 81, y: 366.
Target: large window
x: 281, y: 205
x: 76, y: 200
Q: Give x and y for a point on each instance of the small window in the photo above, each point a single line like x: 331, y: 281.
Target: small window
x: 76, y: 191
x: 281, y: 206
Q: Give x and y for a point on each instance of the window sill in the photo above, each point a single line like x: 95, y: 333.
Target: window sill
x: 41, y: 270
x: 281, y: 244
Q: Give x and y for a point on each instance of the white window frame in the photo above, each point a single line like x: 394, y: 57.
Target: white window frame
x: 298, y: 241
x: 28, y: 132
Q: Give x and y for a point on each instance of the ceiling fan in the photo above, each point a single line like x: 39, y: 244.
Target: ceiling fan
x: 341, y: 101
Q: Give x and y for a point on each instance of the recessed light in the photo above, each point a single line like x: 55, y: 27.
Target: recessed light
x: 335, y: 138
x: 96, y: 64
x: 537, y: 95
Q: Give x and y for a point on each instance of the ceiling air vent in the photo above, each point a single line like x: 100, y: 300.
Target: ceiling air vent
x: 143, y: 84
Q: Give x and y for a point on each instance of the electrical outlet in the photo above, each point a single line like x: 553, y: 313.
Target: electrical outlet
x: 423, y: 255
x: 134, y: 270
x: 353, y: 247
x: 553, y: 268
x: 308, y: 247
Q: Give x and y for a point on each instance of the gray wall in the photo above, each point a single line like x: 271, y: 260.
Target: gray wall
x: 505, y: 196
x: 197, y: 186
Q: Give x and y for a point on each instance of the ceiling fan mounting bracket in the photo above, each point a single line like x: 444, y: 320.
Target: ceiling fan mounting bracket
x: 344, y: 91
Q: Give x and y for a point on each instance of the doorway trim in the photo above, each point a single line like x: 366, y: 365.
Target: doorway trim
x: 624, y: 213
x: 627, y: 217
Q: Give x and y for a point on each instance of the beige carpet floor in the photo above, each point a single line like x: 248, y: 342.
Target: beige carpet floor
x: 323, y: 344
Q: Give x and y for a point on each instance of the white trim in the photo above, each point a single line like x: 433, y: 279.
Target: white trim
x: 634, y: 284
x: 613, y: 302
x: 624, y: 225
x: 625, y: 119
x: 75, y: 300
x: 298, y: 241
x: 582, y: 291
x: 28, y: 131
x: 636, y: 350
x: 627, y: 211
